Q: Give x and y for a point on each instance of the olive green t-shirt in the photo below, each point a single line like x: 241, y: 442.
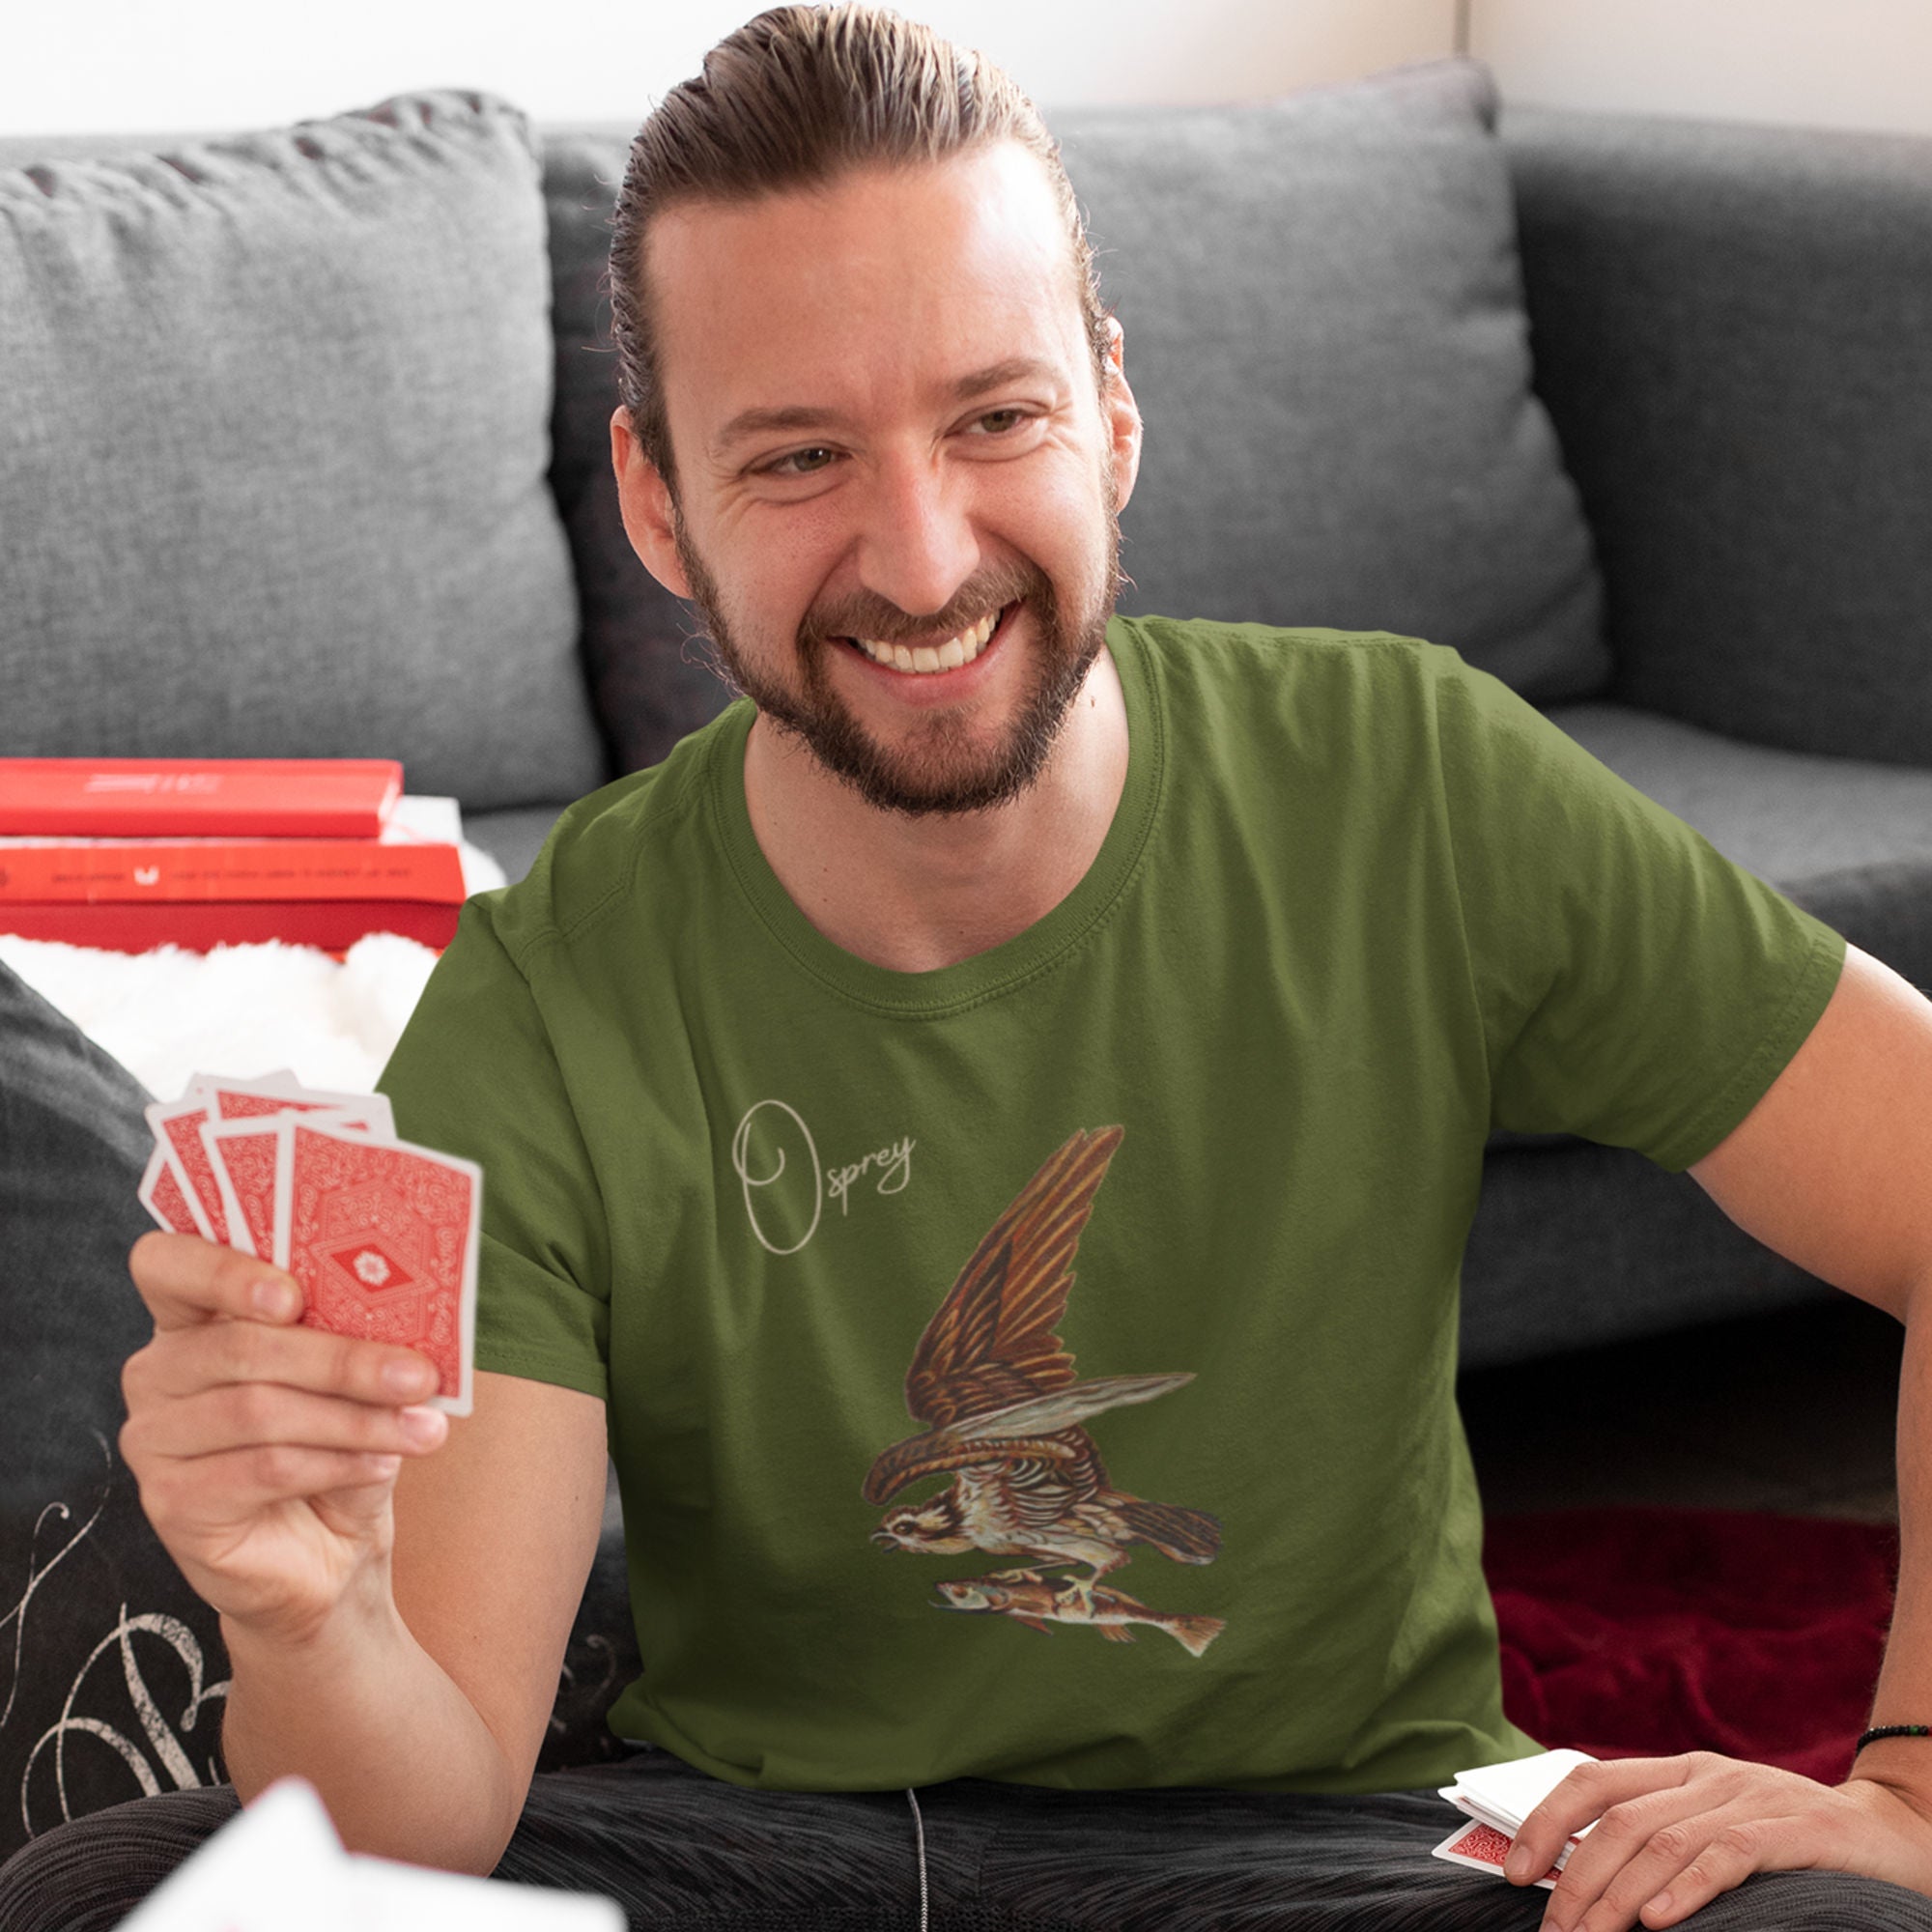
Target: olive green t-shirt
x: 1042, y: 1368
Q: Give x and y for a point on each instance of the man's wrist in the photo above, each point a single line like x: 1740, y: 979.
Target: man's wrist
x: 1900, y: 1769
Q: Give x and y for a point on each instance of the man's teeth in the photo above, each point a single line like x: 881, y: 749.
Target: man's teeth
x: 949, y: 656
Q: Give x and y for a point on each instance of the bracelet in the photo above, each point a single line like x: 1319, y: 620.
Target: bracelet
x: 1877, y: 1731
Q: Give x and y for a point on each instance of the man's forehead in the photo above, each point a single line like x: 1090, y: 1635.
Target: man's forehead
x: 964, y: 265
x: 1002, y: 182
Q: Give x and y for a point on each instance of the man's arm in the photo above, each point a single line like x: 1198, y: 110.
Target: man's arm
x: 395, y: 1642
x: 1833, y: 1168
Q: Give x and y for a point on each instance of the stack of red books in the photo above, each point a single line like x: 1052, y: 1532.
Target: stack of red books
x: 133, y: 853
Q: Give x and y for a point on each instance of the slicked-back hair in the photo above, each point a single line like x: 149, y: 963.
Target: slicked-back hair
x: 793, y: 99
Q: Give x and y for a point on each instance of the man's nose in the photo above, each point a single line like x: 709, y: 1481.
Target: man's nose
x: 917, y: 544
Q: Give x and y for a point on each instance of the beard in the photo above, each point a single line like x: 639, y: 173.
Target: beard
x: 940, y: 768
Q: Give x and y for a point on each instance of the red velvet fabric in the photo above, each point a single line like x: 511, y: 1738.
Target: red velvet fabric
x: 1645, y: 1632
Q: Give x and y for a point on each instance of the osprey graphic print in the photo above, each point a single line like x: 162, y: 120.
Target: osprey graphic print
x: 1005, y: 1417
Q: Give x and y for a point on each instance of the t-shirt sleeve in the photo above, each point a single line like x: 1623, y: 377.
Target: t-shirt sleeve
x: 475, y: 1074
x: 1636, y: 987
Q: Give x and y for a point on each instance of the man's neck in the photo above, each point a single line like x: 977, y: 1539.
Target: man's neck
x: 916, y: 893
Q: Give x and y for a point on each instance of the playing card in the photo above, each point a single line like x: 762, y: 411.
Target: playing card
x: 245, y: 1157
x: 383, y: 1237
x: 1507, y: 1793
x: 1483, y: 1848
x: 177, y: 1131
x: 272, y: 1094
x: 1498, y: 1797
x: 163, y: 1196
x: 278, y: 1868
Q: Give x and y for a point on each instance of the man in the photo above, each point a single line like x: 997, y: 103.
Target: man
x: 992, y: 938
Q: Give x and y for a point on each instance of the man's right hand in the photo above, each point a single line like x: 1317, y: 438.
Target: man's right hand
x: 267, y: 1452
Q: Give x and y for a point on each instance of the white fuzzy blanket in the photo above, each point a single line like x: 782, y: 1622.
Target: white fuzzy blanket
x: 238, y: 1010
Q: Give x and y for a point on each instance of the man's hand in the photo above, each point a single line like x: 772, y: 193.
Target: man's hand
x: 267, y: 1452
x: 1675, y: 1832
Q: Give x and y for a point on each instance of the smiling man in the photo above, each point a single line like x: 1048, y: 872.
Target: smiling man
x: 984, y: 1135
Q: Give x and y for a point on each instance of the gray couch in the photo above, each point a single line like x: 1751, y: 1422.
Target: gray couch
x: 1683, y: 506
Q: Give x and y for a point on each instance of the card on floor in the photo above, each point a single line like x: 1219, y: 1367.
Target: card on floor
x: 383, y: 1237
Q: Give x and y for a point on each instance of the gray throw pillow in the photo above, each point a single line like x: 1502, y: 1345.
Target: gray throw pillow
x: 275, y: 428
x: 1325, y: 331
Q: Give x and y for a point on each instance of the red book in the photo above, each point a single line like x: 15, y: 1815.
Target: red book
x: 106, y: 798
x: 148, y: 872
x: 334, y: 925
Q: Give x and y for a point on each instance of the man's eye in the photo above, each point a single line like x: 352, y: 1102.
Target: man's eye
x: 1000, y: 422
x: 801, y: 462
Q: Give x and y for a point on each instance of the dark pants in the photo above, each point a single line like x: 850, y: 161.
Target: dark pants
x: 680, y: 1849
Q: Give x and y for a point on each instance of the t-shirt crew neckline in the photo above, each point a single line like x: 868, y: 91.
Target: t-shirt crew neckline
x: 1001, y: 968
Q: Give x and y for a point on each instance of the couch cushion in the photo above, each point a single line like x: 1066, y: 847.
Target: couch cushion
x: 1326, y: 333
x: 1733, y: 333
x: 650, y: 679
x: 1850, y: 840
x: 273, y: 454
x: 513, y: 838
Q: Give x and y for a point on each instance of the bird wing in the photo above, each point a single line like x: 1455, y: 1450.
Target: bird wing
x: 1043, y: 1431
x: 992, y: 1341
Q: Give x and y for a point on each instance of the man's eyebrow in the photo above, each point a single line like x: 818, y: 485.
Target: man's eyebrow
x: 997, y: 375
x: 749, y: 423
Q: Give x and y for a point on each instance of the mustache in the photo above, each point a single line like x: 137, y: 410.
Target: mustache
x: 866, y: 615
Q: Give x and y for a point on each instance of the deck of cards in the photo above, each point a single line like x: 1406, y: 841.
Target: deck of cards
x: 380, y: 1233
x: 1498, y: 1797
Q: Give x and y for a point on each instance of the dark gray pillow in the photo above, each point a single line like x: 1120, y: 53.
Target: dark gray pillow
x: 1325, y: 331
x: 274, y: 418
x: 111, y: 1669
x: 651, y: 676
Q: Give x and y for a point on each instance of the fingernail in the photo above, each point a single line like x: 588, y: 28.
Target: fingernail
x: 408, y: 1379
x: 1660, y: 1903
x: 276, y: 1299
x: 424, y: 1425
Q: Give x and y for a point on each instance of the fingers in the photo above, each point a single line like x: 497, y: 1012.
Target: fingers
x: 186, y: 1279
x: 214, y: 1421
x: 1583, y: 1797
x: 181, y: 1362
x: 1654, y: 1859
x: 242, y: 1484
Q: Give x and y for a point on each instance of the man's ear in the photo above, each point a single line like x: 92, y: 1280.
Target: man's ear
x: 644, y: 497
x: 1121, y: 416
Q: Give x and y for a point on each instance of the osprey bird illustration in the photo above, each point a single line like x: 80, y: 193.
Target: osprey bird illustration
x: 1004, y: 1411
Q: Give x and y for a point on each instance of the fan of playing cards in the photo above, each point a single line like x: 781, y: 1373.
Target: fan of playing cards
x: 1499, y: 1797
x: 380, y: 1233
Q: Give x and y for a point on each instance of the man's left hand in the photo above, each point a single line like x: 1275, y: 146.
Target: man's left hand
x: 1675, y: 1832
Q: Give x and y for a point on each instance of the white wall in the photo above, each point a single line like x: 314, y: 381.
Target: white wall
x: 86, y: 65
x: 89, y: 66
x: 1819, y: 63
